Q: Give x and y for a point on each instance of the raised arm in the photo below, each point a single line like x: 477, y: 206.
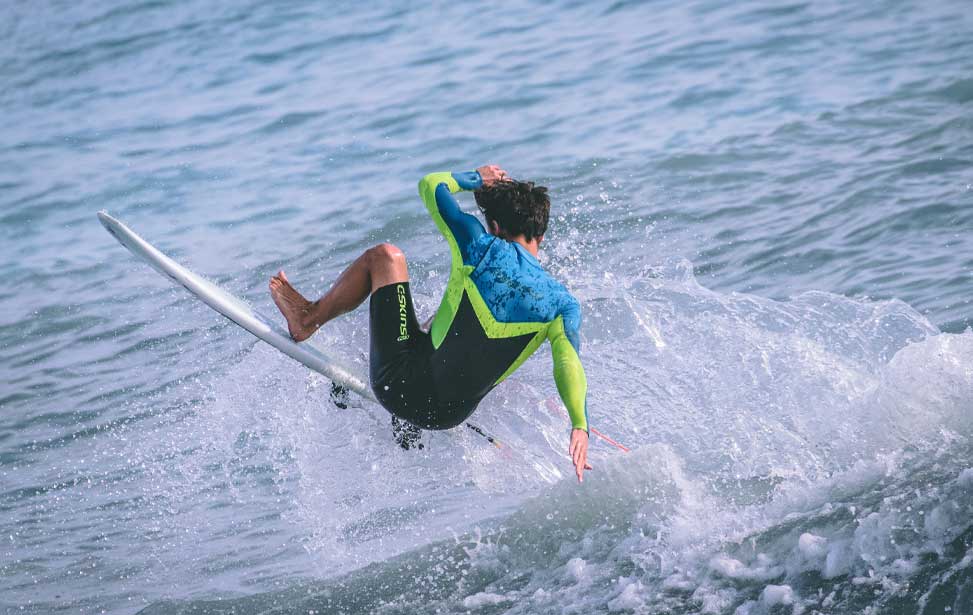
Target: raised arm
x: 460, y: 229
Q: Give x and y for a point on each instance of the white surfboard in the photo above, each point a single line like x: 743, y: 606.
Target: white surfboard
x: 239, y: 311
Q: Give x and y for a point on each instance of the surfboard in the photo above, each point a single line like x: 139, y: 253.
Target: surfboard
x: 239, y: 311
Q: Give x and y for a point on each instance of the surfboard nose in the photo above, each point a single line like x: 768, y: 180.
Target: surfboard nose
x: 107, y: 221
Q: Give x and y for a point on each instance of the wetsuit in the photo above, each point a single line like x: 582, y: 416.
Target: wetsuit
x: 499, y: 307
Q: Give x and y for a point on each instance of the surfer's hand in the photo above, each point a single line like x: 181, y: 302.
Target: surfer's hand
x: 492, y: 174
x: 578, y: 450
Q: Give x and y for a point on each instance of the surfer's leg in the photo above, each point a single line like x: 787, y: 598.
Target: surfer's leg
x: 379, y: 266
x: 292, y: 305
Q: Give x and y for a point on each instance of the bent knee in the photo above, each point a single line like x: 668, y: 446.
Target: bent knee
x: 386, y: 252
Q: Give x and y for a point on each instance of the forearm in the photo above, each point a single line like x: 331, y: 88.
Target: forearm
x: 454, y: 182
x: 572, y: 384
x: 460, y: 229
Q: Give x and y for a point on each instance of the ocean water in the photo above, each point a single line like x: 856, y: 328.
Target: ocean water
x: 765, y: 208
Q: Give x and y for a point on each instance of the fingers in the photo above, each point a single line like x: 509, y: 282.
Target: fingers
x: 579, y: 456
x: 492, y: 173
x: 578, y: 449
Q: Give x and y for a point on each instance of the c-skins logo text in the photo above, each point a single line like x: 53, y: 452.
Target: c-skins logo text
x: 403, y: 320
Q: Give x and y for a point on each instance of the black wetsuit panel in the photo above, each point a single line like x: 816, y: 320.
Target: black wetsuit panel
x: 468, y: 363
x: 433, y: 388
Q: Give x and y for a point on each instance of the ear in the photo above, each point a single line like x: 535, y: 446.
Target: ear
x: 494, y: 228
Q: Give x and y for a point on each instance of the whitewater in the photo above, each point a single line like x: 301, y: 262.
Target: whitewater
x: 765, y: 211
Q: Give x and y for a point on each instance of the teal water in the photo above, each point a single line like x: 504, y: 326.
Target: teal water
x: 766, y: 210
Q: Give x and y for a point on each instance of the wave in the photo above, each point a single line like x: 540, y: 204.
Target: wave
x: 798, y: 456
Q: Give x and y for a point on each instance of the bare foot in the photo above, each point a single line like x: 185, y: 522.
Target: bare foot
x: 293, y: 306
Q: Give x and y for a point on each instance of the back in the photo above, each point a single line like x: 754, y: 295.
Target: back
x: 514, y: 285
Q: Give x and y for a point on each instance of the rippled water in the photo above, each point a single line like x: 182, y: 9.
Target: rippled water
x: 766, y: 210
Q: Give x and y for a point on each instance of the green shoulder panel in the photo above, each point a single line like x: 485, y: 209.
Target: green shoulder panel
x: 454, y: 287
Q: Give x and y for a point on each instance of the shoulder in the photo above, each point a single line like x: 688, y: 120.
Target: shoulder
x: 565, y: 300
x: 566, y: 305
x: 570, y: 310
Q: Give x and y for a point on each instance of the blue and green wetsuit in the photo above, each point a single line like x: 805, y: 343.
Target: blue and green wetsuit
x: 499, y: 307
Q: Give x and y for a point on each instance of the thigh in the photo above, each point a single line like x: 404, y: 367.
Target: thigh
x: 399, y: 349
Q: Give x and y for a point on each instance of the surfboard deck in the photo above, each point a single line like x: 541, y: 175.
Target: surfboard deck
x: 239, y: 311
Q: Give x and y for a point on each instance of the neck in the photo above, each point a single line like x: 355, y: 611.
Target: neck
x: 530, y: 245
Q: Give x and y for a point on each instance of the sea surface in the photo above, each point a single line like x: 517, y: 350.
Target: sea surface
x: 765, y: 209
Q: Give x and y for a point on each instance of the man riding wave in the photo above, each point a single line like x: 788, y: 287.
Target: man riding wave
x: 499, y: 307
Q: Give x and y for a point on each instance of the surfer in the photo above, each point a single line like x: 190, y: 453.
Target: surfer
x: 500, y: 305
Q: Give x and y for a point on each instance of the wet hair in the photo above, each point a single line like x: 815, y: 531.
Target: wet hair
x: 518, y: 208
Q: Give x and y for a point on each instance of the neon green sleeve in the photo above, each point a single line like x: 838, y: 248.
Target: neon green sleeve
x: 459, y: 229
x: 572, y: 385
x: 427, y: 190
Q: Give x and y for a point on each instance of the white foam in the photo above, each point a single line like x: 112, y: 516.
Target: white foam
x: 838, y: 561
x: 812, y: 547
x: 628, y: 599
x: 574, y: 569
x: 763, y: 568
x: 483, y: 599
x: 773, y: 595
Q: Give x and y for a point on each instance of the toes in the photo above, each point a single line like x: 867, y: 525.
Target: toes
x: 283, y: 277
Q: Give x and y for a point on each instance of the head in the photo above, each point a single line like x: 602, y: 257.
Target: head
x: 514, y: 208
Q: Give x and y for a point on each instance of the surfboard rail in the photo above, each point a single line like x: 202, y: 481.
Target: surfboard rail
x: 238, y: 311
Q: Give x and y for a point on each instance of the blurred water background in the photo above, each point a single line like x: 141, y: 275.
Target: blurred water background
x: 766, y: 209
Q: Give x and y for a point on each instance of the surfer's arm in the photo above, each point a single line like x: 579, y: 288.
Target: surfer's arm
x: 572, y: 385
x: 459, y: 228
x: 569, y: 376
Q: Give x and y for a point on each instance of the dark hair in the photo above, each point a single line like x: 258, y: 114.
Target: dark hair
x: 518, y: 208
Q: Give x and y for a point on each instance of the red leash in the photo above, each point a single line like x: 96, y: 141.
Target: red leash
x: 558, y: 409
